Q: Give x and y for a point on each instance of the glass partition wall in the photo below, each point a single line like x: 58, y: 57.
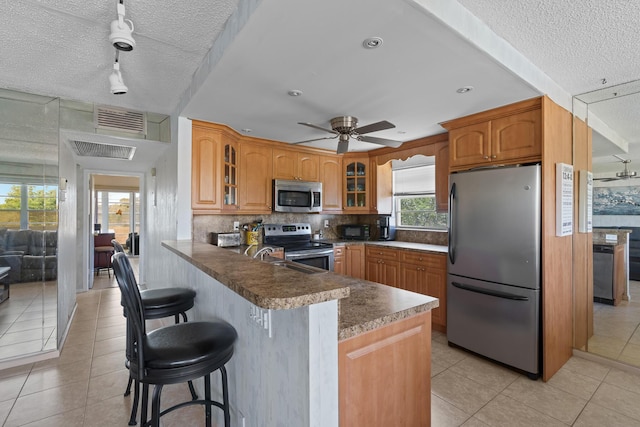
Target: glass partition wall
x: 613, y: 117
x: 29, y: 180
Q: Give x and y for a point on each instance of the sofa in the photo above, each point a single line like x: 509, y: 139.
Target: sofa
x: 31, y: 254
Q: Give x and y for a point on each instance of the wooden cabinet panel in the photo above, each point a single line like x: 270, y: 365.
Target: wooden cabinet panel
x: 469, y: 145
x: 255, y: 182
x: 295, y: 165
x: 369, y: 395
x: 506, y: 135
x: 354, y: 261
x: 382, y: 188
x: 331, y: 178
x: 426, y: 274
x: 338, y: 260
x: 442, y: 179
x: 517, y: 136
x: 382, y: 265
x: 205, y: 159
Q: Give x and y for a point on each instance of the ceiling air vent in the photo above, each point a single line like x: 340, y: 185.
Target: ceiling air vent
x: 93, y: 149
x: 111, y: 118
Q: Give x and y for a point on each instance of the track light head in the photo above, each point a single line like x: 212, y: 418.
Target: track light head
x: 120, y: 36
x: 115, y: 79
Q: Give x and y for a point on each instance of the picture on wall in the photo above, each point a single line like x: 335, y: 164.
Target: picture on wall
x: 616, y: 200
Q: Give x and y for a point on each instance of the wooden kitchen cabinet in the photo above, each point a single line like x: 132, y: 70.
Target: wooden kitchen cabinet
x: 338, y: 259
x: 382, y: 188
x: 214, y: 171
x: 356, y: 184
x: 295, y: 165
x: 256, y: 171
x: 331, y: 178
x: 442, y: 178
x: 382, y: 265
x: 426, y: 273
x: 508, y: 138
x: 384, y: 375
x: 354, y: 261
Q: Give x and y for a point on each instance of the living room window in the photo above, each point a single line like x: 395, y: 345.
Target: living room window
x: 28, y: 206
x: 414, y: 196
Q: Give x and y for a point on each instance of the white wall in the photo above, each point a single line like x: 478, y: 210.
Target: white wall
x: 288, y: 380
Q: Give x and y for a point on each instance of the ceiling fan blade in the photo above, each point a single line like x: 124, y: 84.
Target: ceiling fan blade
x: 374, y: 127
x: 311, y: 125
x: 315, y: 139
x: 343, y: 147
x: 606, y: 179
x: 380, y: 141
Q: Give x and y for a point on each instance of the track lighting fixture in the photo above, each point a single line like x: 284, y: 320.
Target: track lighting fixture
x: 120, y: 36
x: 115, y: 79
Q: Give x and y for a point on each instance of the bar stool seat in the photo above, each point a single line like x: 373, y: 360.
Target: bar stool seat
x: 175, y: 353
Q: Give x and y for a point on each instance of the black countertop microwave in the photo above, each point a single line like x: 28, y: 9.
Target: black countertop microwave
x: 354, y: 231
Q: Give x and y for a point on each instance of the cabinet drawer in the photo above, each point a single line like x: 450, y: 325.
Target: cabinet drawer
x: 338, y: 251
x: 384, y: 253
x: 424, y: 259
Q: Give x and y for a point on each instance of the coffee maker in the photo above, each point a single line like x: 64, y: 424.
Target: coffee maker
x: 386, y: 228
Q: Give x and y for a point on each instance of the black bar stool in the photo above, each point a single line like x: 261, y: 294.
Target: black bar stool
x: 175, y: 353
x: 157, y: 304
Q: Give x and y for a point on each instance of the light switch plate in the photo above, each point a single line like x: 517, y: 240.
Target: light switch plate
x: 236, y: 225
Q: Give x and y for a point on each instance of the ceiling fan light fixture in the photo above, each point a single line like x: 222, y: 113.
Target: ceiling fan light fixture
x: 625, y: 174
x: 115, y: 79
x: 121, y: 32
x: 372, y: 42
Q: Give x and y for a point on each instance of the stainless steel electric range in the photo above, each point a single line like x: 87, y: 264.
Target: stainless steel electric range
x: 296, y: 240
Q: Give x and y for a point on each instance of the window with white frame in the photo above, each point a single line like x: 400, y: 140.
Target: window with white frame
x: 28, y: 206
x: 414, y: 198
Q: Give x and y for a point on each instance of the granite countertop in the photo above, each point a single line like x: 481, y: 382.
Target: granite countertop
x: 362, y: 305
x: 396, y: 244
x: 600, y: 236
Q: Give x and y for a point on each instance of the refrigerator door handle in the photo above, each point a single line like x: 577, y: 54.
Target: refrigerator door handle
x: 452, y: 197
x: 497, y: 294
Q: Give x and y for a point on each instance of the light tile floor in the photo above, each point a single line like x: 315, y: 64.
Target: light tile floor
x: 616, y: 332
x: 28, y: 319
x: 84, y: 386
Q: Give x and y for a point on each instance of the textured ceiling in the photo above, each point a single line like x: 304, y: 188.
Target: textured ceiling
x: 61, y: 48
x: 233, y: 62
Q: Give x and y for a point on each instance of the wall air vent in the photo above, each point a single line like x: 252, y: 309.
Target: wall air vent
x: 118, y: 119
x: 110, y: 151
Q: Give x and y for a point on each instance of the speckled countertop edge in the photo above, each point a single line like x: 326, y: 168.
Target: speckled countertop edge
x: 260, y: 283
x: 395, y: 244
x: 362, y: 305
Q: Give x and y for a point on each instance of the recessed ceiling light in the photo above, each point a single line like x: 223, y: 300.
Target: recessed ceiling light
x: 465, y: 89
x: 372, y: 42
x: 246, y: 130
x: 401, y: 132
x: 295, y: 92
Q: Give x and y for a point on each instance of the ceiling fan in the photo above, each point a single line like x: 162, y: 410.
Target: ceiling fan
x: 624, y: 174
x: 346, y: 127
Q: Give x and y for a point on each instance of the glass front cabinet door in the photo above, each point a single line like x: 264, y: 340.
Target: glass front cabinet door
x: 356, y: 185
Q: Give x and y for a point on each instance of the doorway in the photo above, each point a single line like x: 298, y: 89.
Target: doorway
x: 115, y: 212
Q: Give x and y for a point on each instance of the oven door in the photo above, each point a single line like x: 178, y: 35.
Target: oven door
x: 320, y: 258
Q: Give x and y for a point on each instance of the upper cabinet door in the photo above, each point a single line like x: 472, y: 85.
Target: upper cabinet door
x: 295, y: 165
x: 469, y: 145
x: 205, y: 163
x: 255, y: 183
x: 518, y: 136
x: 308, y: 167
x: 331, y: 178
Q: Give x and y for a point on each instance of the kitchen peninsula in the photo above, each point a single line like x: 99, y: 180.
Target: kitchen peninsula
x: 312, y: 346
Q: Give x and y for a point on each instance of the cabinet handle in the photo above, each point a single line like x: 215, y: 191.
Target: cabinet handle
x: 494, y: 156
x: 486, y: 157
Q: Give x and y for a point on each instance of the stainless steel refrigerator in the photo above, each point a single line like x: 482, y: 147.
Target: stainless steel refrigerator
x: 493, y: 283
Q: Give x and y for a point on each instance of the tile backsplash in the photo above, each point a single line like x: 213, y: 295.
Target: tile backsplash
x: 204, y: 225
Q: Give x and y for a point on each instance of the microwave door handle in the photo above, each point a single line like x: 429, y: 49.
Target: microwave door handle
x: 310, y: 199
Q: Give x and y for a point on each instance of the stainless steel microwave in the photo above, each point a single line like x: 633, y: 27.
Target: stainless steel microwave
x: 297, y: 196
